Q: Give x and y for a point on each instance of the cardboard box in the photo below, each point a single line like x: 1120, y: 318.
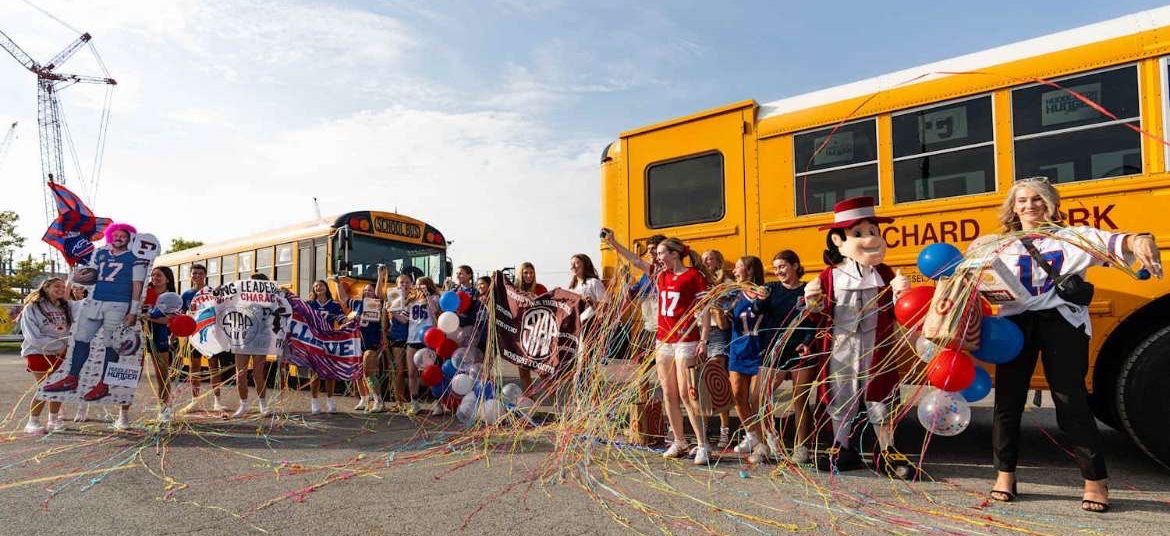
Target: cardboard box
x: 996, y: 282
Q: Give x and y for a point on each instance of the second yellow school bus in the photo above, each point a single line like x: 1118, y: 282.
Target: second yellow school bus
x: 938, y: 146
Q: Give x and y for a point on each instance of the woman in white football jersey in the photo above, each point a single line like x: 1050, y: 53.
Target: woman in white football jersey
x: 422, y: 307
x: 1056, y: 330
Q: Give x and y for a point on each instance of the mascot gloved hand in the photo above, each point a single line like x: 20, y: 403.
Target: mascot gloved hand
x: 855, y: 296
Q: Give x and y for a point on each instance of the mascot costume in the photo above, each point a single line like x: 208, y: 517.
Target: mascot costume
x: 855, y: 296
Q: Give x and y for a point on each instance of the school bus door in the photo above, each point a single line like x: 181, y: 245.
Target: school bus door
x: 687, y: 179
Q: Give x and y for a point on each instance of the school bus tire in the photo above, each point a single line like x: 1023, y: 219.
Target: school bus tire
x: 1143, y: 402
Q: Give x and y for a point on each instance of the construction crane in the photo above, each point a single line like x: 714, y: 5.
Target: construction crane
x: 50, y: 121
x: 4, y: 145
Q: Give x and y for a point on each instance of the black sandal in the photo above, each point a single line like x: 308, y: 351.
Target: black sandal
x: 1096, y: 507
x: 1004, y: 496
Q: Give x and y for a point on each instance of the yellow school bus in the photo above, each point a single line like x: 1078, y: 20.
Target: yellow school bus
x: 351, y: 245
x: 938, y: 146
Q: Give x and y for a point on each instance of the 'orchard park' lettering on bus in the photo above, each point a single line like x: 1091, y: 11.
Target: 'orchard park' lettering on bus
x: 967, y: 229
x: 397, y: 228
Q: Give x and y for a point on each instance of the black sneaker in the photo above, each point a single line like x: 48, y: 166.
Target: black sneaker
x: 895, y: 464
x: 840, y: 459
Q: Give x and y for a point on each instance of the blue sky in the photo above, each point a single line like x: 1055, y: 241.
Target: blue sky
x: 485, y: 119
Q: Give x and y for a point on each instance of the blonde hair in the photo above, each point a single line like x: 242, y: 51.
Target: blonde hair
x: 426, y: 282
x: 684, y: 252
x: 1047, y: 192
x: 719, y: 275
x: 520, y: 277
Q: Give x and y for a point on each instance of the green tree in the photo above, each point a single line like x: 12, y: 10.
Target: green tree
x: 25, y: 276
x: 179, y: 244
x: 10, y: 240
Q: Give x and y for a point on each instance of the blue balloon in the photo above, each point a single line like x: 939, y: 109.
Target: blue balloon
x: 938, y: 260
x: 484, y: 390
x: 979, y: 387
x: 437, y: 391
x: 1000, y: 341
x: 448, y: 370
x: 449, y: 301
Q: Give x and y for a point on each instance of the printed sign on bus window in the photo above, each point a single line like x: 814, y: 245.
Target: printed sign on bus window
x: 943, y: 125
x: 838, y: 149
x: 1062, y: 106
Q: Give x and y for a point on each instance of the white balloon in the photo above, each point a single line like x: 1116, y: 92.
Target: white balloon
x: 169, y: 302
x: 468, y: 410
x: 511, y: 393
x: 448, y: 322
x: 471, y: 354
x: 943, y: 413
x: 926, y: 349
x: 462, y: 384
x: 490, y: 412
x: 424, y: 358
x: 457, y: 359
x: 473, y: 370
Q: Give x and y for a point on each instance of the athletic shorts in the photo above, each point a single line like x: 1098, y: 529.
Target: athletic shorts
x: 398, y: 344
x: 717, y: 340
x: 416, y: 345
x: 38, y: 363
x: 224, y: 359
x: 676, y: 351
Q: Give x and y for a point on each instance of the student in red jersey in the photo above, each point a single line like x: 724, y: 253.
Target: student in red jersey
x: 45, y: 321
x: 161, y: 281
x: 679, y: 287
x: 526, y: 282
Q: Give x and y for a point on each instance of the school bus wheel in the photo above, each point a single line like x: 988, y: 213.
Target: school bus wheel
x: 1143, y: 402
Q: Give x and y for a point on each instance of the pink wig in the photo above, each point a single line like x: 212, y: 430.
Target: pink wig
x: 115, y: 227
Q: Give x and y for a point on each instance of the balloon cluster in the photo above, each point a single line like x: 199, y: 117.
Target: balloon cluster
x: 454, y: 373
x: 951, y: 370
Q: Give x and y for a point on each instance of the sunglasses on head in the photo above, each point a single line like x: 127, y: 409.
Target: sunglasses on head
x: 1040, y: 178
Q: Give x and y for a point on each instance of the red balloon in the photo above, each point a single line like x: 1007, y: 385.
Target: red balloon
x: 434, y: 338
x: 433, y: 375
x: 182, y: 325
x: 464, y: 301
x: 912, y: 306
x: 447, y: 349
x: 951, y: 370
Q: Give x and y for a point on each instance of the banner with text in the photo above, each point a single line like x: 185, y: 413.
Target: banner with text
x: 536, y: 332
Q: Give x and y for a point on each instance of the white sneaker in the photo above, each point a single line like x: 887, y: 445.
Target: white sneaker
x: 217, y: 405
x: 759, y: 454
x: 242, y: 410
x: 34, y: 427
x: 361, y: 405
x: 748, y: 444
x: 774, y: 446
x: 165, y: 415
x: 122, y: 422
x: 677, y: 449
x: 801, y: 455
x: 82, y: 412
x: 377, y: 407
x: 724, y: 438
x: 55, y: 424
x: 263, y: 407
x: 314, y: 406
x: 330, y: 405
x: 702, y: 455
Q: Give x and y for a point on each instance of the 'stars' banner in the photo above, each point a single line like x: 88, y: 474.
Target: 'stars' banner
x: 536, y: 332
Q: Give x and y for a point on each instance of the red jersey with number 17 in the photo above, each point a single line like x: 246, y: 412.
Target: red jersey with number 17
x: 676, y: 294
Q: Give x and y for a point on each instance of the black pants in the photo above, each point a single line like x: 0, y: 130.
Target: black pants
x: 1064, y: 350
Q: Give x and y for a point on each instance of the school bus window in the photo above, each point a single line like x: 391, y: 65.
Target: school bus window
x: 284, y: 259
x: 213, y: 270
x: 833, y: 164
x: 184, y: 281
x: 264, y: 261
x: 321, y: 264
x: 944, y: 151
x: 1060, y: 136
x: 305, y: 266
x: 246, y: 264
x: 228, y: 268
x: 685, y: 191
